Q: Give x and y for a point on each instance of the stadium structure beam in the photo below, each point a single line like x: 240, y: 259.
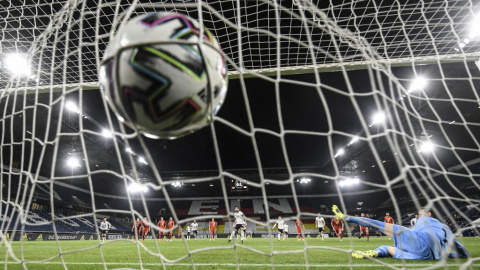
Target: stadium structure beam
x: 235, y: 74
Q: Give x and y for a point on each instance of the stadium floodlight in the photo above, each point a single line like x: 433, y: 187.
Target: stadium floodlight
x: 71, y: 106
x: 177, y: 184
x: 426, y: 147
x: 418, y: 84
x: 304, y: 180
x: 107, y: 133
x: 340, y: 152
x: 378, y: 118
x: 137, y: 187
x: 73, y: 162
x: 18, y: 65
x: 347, y: 182
x: 142, y: 160
x: 354, y: 140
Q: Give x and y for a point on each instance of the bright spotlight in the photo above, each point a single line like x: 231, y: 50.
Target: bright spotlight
x: 107, y: 133
x: 418, y: 84
x: 71, y: 106
x: 129, y: 150
x: 356, y: 180
x: 136, y: 187
x: 305, y: 180
x: 340, y: 152
x: 347, y: 182
x: 18, y: 65
x: 177, y: 184
x: 378, y: 118
x: 73, y: 162
x: 142, y: 160
x: 427, y: 147
x: 354, y: 140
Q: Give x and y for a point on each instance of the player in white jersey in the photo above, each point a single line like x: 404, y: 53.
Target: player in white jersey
x: 189, y: 230
x: 194, y: 227
x: 285, y: 229
x: 239, y: 225
x: 320, y: 224
x: 281, y: 227
x: 104, y: 227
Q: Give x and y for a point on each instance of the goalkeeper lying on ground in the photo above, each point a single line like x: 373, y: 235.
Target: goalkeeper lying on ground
x: 428, y: 239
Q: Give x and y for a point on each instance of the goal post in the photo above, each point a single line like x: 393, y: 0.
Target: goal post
x: 368, y: 105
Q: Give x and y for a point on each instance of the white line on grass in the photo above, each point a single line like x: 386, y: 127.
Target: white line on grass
x: 247, y: 264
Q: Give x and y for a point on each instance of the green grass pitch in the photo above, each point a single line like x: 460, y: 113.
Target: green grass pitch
x: 255, y: 253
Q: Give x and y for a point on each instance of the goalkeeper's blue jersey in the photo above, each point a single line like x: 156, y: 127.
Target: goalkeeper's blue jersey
x: 436, y: 236
x: 438, y: 232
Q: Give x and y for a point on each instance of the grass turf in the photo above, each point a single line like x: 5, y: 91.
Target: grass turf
x: 256, y: 253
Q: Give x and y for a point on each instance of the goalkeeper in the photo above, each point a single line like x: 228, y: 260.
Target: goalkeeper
x: 428, y: 239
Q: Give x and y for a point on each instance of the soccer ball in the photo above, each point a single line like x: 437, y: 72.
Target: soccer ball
x: 161, y: 78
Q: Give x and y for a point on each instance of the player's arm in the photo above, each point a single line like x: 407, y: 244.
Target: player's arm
x: 274, y: 225
x: 343, y: 227
x: 316, y: 223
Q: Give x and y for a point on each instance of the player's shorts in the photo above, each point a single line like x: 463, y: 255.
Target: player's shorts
x: 337, y: 230
x: 320, y: 229
x: 363, y: 229
x: 281, y: 231
x: 194, y: 232
x: 145, y: 232
x: 103, y: 231
x: 412, y: 245
x: 212, y: 231
x: 239, y: 226
x: 299, y: 231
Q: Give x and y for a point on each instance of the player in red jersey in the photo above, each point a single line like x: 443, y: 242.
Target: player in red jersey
x: 300, y: 227
x: 171, y: 224
x: 338, y: 227
x: 146, y: 228
x: 388, y: 219
x: 137, y: 228
x: 213, y: 229
x: 161, y: 224
x: 363, y: 229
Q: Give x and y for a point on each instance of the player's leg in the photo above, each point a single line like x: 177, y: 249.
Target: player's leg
x: 242, y: 233
x: 368, y: 234
x: 321, y: 232
x: 232, y: 235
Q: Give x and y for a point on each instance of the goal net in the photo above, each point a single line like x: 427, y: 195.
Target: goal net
x: 373, y: 106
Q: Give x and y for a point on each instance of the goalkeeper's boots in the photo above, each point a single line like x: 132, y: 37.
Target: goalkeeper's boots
x: 338, y: 214
x: 364, y: 254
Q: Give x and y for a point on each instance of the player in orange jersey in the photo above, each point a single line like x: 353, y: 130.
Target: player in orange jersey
x: 300, y: 227
x: 146, y: 228
x: 161, y: 224
x: 171, y: 224
x: 213, y: 229
x: 137, y: 228
x: 338, y: 227
x: 363, y: 229
x: 388, y: 219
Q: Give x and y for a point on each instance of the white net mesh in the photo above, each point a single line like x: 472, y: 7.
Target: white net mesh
x: 297, y: 128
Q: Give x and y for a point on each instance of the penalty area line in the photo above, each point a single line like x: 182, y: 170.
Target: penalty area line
x: 244, y: 264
